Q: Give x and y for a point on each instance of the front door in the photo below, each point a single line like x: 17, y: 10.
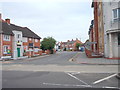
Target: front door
x: 18, y: 52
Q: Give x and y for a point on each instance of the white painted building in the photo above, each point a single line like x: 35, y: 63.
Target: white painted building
x: 111, y: 19
x: 17, y: 44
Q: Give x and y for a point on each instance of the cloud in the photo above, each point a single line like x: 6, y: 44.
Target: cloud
x: 62, y: 20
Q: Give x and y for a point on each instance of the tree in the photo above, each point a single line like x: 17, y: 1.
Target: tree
x: 78, y: 45
x: 48, y: 44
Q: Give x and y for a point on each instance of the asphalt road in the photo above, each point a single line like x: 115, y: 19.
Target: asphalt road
x: 56, y: 71
x: 30, y: 79
x: 60, y: 58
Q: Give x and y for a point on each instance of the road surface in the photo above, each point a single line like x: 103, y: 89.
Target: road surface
x: 56, y: 71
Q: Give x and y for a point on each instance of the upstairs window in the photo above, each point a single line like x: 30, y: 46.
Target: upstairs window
x: 116, y: 15
x: 36, y: 40
x: 6, y: 38
x: 18, y: 35
x: 30, y: 39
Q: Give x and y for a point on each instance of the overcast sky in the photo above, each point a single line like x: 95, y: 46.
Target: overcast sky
x: 62, y: 20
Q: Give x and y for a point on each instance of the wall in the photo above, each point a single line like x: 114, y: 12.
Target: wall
x: 100, y: 28
x: 36, y: 44
x: 25, y: 46
x: 9, y: 43
x: 110, y: 27
x: 96, y: 26
x: 15, y: 41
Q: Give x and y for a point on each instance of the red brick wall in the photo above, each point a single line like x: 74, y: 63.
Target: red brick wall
x: 36, y: 44
x: 25, y: 44
x: 77, y: 41
x: 96, y: 26
x: 7, y: 43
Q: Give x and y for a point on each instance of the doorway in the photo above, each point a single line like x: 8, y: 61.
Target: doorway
x: 18, y: 52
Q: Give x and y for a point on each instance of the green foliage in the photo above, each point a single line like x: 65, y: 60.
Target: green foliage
x: 48, y: 43
x: 78, y: 45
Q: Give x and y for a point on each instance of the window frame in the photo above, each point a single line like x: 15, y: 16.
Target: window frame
x: 6, y: 37
x: 5, y: 49
x: 18, y: 36
x: 117, y: 17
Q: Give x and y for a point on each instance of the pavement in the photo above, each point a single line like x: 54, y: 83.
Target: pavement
x: 81, y: 58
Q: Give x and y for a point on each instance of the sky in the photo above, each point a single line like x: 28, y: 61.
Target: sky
x: 62, y: 19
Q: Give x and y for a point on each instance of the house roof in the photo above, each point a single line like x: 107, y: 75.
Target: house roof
x: 5, y: 29
x: 71, y: 42
x: 26, y: 31
x: 64, y: 43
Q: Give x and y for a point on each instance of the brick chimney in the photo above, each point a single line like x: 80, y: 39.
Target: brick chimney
x: 7, y: 20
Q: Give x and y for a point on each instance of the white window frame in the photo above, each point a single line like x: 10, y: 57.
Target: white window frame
x: 18, y: 36
x: 6, y: 37
x: 36, y: 40
x: 117, y: 18
x: 30, y: 39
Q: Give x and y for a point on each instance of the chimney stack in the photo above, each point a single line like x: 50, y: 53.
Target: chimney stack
x: 68, y: 40
x: 7, y: 20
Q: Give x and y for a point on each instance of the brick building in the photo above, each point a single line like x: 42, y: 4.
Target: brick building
x: 96, y: 31
x: 18, y: 42
x: 104, y: 35
x: 70, y: 45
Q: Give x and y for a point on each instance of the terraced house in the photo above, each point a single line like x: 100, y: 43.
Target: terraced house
x: 70, y: 45
x: 18, y: 42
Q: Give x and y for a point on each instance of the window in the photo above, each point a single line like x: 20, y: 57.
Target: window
x: 5, y: 49
x: 6, y: 38
x: 30, y: 39
x: 118, y: 38
x: 25, y: 48
x: 116, y: 15
x: 119, y: 12
x: 36, y: 40
x: 18, y: 35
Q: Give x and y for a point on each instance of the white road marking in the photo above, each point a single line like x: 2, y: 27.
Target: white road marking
x: 77, y: 78
x: 98, y: 81
x: 112, y: 87
x: 80, y: 85
x: 67, y: 85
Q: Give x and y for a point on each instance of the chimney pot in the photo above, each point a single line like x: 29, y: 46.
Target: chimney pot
x: 7, y: 20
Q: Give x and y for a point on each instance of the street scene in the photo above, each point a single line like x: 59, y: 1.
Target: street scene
x: 60, y: 44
